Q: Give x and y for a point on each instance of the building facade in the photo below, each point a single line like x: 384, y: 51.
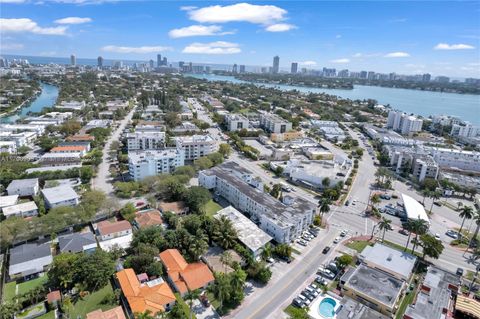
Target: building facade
x: 196, y: 146
x: 145, y: 140
x: 273, y: 123
x: 236, y: 122
x: 142, y: 164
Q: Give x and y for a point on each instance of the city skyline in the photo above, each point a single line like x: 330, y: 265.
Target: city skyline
x: 390, y: 38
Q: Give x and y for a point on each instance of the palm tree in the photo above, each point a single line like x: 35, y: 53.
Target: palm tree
x: 191, y: 296
x: 408, y: 226
x: 197, y: 247
x: 225, y: 235
x: 324, y: 205
x: 384, y: 225
x: 226, y: 259
x: 147, y: 314
x: 267, y: 251
x: 434, y: 195
x: 476, y: 218
x: 375, y: 199
x: 425, y: 193
x: 465, y: 213
x: 222, y: 288
x: 419, y: 227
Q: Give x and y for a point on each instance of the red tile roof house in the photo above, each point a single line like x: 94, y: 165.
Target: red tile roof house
x: 185, y: 277
x: 149, y: 218
x: 108, y: 230
x: 82, y: 150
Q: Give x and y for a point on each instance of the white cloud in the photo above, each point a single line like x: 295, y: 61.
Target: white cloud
x: 137, y: 50
x: 28, y: 25
x: 218, y: 47
x: 187, y: 8
x: 11, y: 46
x: 340, y: 61
x: 197, y: 30
x: 245, y: 12
x: 338, y: 36
x: 459, y: 46
x: 280, y: 27
x: 73, y: 20
x: 397, y: 55
x: 308, y: 63
x: 12, y: 1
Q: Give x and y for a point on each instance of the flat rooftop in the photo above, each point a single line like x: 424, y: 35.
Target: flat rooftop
x: 248, y: 233
x: 414, y: 209
x: 389, y: 258
x: 374, y: 283
x: 59, y: 194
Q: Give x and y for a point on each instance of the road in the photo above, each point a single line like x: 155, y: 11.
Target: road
x: 102, y: 181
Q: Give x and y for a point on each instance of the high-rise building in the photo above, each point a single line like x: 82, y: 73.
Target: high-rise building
x: 426, y: 77
x: 152, y: 65
x: 294, y: 67
x: 100, y: 62
x: 442, y: 79
x: 235, y: 68
x: 276, y: 64
x: 159, y: 60
x: 363, y: 74
x: 164, y: 61
x: 73, y: 60
x: 343, y: 73
x: 264, y: 69
x: 181, y: 64
x: 242, y: 68
x: 208, y: 69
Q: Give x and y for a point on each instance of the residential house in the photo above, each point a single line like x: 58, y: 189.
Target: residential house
x: 6, y: 201
x: 60, y: 196
x: 148, y: 218
x: 114, y: 313
x: 77, y: 242
x: 23, y: 187
x: 27, y: 209
x: 111, y: 234
x: 29, y: 259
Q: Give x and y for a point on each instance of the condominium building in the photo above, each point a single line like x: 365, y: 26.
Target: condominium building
x: 274, y: 124
x: 425, y: 167
x: 455, y: 159
x: 283, y: 220
x: 467, y: 130
x: 403, y: 123
x: 236, y: 122
x: 196, y: 146
x: 142, y: 164
x: 145, y: 140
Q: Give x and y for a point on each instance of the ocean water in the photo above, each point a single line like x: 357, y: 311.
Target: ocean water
x: 424, y: 103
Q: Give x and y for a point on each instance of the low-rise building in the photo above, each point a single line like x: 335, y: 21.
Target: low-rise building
x: 114, y: 313
x: 27, y: 209
x: 196, y: 146
x: 142, y: 164
x: 397, y: 263
x: 60, y: 159
x: 425, y: 167
x: 273, y: 123
x: 29, y: 259
x: 252, y: 237
x: 71, y: 105
x: 375, y: 288
x: 23, y: 187
x: 148, y: 218
x: 283, y: 220
x: 236, y: 122
x: 154, y: 296
x: 330, y: 129
x: 60, y: 196
x: 77, y: 242
x: 436, y: 295
x: 81, y: 138
x: 9, y: 147
x: 113, y: 234
x: 285, y: 137
x: 145, y: 140
x: 9, y: 200
x: 81, y: 150
x: 183, y: 276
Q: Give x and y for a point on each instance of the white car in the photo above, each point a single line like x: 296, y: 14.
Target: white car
x: 302, y: 242
x: 337, y: 240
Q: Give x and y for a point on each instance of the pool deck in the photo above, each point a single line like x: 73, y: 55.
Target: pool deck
x: 314, y: 306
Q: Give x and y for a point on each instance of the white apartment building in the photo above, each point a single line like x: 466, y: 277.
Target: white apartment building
x: 451, y: 159
x: 274, y: 124
x: 145, y: 140
x: 425, y: 167
x: 26, y: 209
x: 23, y: 187
x: 196, y: 146
x: 142, y: 164
x: 236, y: 122
x: 403, y: 123
x: 60, y: 196
x: 8, y: 147
x: 20, y: 139
x: 284, y: 221
x: 467, y: 130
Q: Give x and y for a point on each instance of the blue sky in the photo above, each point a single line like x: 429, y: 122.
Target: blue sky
x: 405, y: 37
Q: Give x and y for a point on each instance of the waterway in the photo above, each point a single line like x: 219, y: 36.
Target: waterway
x: 424, y: 103
x: 47, y: 98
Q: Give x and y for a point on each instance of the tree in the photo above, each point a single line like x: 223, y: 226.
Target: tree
x: 465, y: 213
x: 94, y: 270
x: 324, y: 205
x: 432, y: 247
x: 276, y: 190
x: 8, y: 309
x: 434, y: 195
x: 177, y: 312
x: 385, y: 225
x: 267, y: 251
x: 476, y: 219
x: 62, y: 271
x: 191, y: 296
x: 197, y: 247
x: 430, y: 184
x: 326, y: 182
x: 147, y: 314
x: 185, y: 170
x: 221, y: 288
x: 202, y: 163
x: 226, y: 259
x: 344, y: 260
x: 224, y: 235
x: 298, y: 313
x: 283, y: 250
x: 216, y: 158
x: 225, y: 149
x: 128, y: 212
x: 196, y: 197
x: 419, y: 227
x: 375, y: 199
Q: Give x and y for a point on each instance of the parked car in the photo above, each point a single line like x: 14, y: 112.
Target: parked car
x: 312, y: 291
x: 304, y: 299
x: 333, y: 267
x: 437, y: 236
x: 204, y: 300
x: 326, y: 273
x: 385, y: 196
x: 403, y: 232
x: 308, y: 295
x: 270, y: 260
x: 302, y: 242
x: 347, y: 202
x: 326, y: 250
x: 336, y: 240
x: 343, y: 233
x: 314, y: 234
x: 318, y: 290
x: 452, y: 233
x: 297, y: 302
x: 459, y: 271
x: 321, y: 281
x: 286, y: 259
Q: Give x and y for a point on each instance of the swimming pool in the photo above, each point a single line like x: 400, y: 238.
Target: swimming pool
x: 326, y: 308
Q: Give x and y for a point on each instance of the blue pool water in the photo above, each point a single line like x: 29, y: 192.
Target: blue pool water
x: 327, y: 307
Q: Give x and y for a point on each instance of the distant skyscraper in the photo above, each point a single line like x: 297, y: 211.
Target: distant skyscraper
x: 235, y: 68
x: 73, y: 60
x: 371, y: 75
x: 276, y: 64
x: 208, y: 69
x: 264, y: 69
x: 294, y: 67
x: 152, y: 64
x: 159, y: 60
x: 100, y: 62
x: 242, y: 68
x: 426, y: 77
x: 363, y: 74
x: 343, y: 73
x: 180, y: 65
x: 164, y: 61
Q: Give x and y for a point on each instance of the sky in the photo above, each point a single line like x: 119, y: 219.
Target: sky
x: 408, y: 37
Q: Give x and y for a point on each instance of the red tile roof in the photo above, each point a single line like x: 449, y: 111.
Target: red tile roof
x: 150, y: 218
x: 115, y: 313
x: 107, y: 227
x: 79, y: 137
x: 74, y: 148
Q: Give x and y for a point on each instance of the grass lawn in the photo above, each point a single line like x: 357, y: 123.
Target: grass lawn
x: 26, y: 286
x: 184, y: 305
x: 358, y: 245
x: 211, y: 208
x: 48, y: 315
x: 92, y: 302
x: 296, y: 312
x: 407, y: 300
x: 9, y: 291
x: 215, y: 303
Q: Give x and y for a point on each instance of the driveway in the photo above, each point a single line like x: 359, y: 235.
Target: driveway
x: 204, y: 313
